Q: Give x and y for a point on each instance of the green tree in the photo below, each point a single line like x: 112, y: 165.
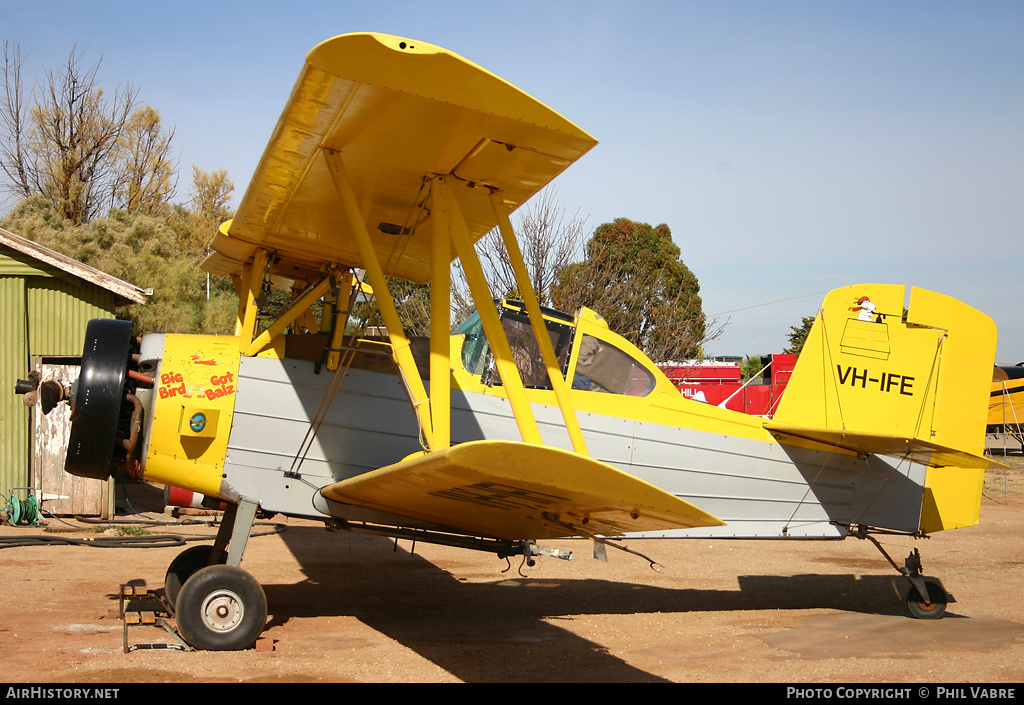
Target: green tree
x: 634, y: 277
x: 750, y: 367
x: 798, y: 335
x: 413, y: 302
x: 148, y: 251
x: 196, y: 222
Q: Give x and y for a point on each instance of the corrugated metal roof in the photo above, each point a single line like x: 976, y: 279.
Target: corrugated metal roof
x: 125, y: 292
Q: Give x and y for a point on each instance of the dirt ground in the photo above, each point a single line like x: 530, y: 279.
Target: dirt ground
x: 346, y: 608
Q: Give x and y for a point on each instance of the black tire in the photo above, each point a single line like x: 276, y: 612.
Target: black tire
x: 934, y: 608
x: 98, y: 401
x: 221, y: 608
x: 182, y: 568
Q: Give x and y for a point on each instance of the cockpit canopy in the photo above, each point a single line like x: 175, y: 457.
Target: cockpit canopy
x: 594, y: 355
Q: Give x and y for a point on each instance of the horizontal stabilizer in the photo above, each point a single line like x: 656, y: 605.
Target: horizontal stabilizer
x: 518, y: 491
x: 914, y: 449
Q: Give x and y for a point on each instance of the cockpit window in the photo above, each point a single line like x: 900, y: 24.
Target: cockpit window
x: 474, y: 350
x: 476, y: 356
x: 602, y: 367
x: 526, y: 350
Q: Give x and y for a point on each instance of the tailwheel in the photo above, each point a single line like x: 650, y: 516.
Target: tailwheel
x: 926, y: 598
x: 932, y: 606
x: 221, y: 608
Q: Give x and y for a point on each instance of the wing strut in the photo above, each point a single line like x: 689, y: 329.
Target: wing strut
x: 450, y: 231
x: 297, y: 308
x: 547, y: 351
x: 400, y: 346
x: 440, y: 316
x: 248, y: 288
x: 481, y: 294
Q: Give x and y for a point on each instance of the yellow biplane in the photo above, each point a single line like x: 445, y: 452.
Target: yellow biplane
x: 391, y: 158
x: 1006, y: 402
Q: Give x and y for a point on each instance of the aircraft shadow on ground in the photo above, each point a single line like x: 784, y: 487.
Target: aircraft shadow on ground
x: 506, y: 625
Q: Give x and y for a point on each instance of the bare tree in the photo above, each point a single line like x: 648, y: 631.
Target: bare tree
x: 75, y: 138
x: 210, y: 195
x: 146, y: 174
x: 13, y: 158
x: 549, y: 240
x: 208, y: 207
x: 83, y: 150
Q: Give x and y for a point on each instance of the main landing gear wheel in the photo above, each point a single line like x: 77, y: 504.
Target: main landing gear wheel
x: 932, y: 608
x: 221, y: 608
x: 182, y: 568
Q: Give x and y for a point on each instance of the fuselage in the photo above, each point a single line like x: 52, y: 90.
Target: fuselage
x: 285, y: 427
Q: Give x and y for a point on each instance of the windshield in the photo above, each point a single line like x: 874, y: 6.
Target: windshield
x: 523, y: 343
x: 474, y: 350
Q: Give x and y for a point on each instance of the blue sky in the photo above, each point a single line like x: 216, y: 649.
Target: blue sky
x: 791, y: 146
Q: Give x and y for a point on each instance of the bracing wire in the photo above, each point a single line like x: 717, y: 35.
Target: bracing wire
x: 810, y: 486
x: 330, y: 394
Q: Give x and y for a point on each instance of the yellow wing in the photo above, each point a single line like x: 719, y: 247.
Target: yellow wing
x: 511, y: 490
x: 395, y: 112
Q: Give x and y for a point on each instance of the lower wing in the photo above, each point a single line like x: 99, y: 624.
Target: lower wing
x: 511, y: 490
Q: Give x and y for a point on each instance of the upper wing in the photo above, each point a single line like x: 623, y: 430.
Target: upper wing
x: 511, y: 490
x: 394, y: 111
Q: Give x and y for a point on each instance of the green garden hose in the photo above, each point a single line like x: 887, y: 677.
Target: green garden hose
x: 22, y: 510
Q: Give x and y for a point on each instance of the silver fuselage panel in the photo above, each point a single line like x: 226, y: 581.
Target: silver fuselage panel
x: 288, y: 440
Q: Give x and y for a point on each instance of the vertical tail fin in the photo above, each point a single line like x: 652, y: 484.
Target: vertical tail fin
x: 897, y: 371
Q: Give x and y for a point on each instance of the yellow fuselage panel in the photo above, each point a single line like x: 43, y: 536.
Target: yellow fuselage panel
x: 193, y: 403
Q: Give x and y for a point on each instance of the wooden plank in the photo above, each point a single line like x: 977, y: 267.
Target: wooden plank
x: 128, y: 292
x: 132, y: 618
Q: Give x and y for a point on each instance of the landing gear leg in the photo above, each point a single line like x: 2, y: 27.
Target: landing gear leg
x: 926, y: 598
x: 219, y: 606
x: 233, y: 535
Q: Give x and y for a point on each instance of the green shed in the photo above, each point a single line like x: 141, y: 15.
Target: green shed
x: 46, y: 301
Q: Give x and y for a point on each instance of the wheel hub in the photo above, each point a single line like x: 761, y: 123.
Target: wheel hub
x: 223, y: 611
